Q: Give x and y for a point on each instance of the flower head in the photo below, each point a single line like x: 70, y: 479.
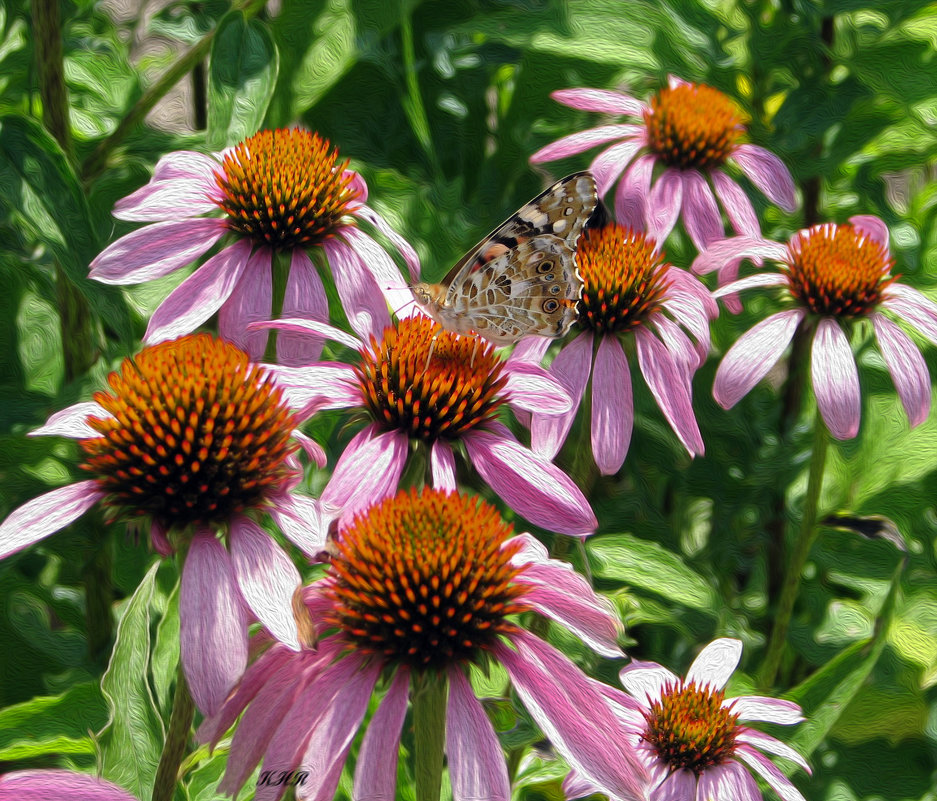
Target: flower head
x: 630, y: 295
x: 692, y: 131
x: 834, y: 276
x: 282, y: 191
x: 193, y: 440
x: 422, y: 587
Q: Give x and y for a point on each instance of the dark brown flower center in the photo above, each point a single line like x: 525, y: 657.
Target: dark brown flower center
x: 690, y: 729
x: 837, y: 270
x: 429, y: 382
x: 693, y: 126
x: 623, y: 279
x: 422, y: 579
x: 285, y: 188
x: 198, y: 433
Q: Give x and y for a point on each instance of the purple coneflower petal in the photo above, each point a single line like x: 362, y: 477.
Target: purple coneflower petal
x: 308, y: 327
x: 72, y: 422
x: 366, y: 308
x: 700, y: 212
x: 776, y: 780
x: 304, y: 299
x: 681, y: 348
x: 612, y: 406
x: 681, y: 785
x: 250, y: 301
x: 310, y: 447
x: 267, y: 577
x: 726, y: 782
x: 213, y: 626
x: 608, y: 165
x: 577, y: 786
x: 835, y: 379
x: 378, y: 262
x: 476, y: 763
x: 42, y: 516
x: 159, y: 540
x: 327, y: 385
x: 529, y: 484
x: 873, y: 227
x: 172, y: 195
x: 297, y: 516
x: 773, y: 746
x: 404, y: 248
x: 768, y: 173
x: 442, y: 463
x: 664, y: 203
x: 912, y: 305
x: 156, y: 250
x: 752, y: 355
x: 632, y: 193
x: 576, y: 718
x: 41, y: 785
x: 577, y: 142
x: 531, y: 387
x: 646, y: 680
x: 769, y: 710
x: 571, y: 367
x: 201, y: 294
x: 907, y: 367
x: 376, y: 770
x: 736, y: 248
x: 601, y: 100
x: 738, y: 207
x: 715, y: 663
x: 757, y: 281
x: 191, y: 166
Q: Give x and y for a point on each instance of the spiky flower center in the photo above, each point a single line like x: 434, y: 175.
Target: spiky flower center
x: 689, y: 727
x: 198, y: 434
x: 425, y: 579
x: 430, y: 382
x: 693, y: 126
x: 285, y: 188
x: 838, y: 270
x: 624, y: 279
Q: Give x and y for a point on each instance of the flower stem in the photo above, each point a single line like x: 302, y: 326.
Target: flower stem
x: 805, y: 539
x: 177, y: 738
x: 429, y: 734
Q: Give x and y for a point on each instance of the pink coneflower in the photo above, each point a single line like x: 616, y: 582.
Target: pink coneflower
x: 688, y: 734
x: 193, y: 440
x: 438, y: 390
x: 41, y: 785
x: 630, y: 297
x: 692, y: 131
x: 421, y: 589
x: 280, y: 191
x: 834, y: 276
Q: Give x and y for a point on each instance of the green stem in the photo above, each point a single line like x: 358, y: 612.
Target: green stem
x: 413, y: 102
x: 177, y: 738
x: 429, y: 734
x: 805, y: 539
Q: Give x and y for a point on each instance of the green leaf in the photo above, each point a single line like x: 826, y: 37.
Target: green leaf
x: 637, y: 562
x: 242, y: 75
x: 133, y: 738
x: 166, y: 651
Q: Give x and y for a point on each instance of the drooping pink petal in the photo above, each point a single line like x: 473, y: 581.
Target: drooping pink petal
x: 529, y: 484
x: 201, y: 294
x: 700, y: 212
x: 159, y: 540
x: 376, y: 768
x: 213, y: 625
x: 835, y: 379
x: 736, y: 248
x: 156, y: 250
x: 602, y: 100
x: 646, y: 681
x: 573, y: 715
x: 529, y: 350
x: 772, y: 745
x: 576, y: 786
x: 404, y: 248
x: 632, y: 194
x: 304, y: 299
x: 670, y: 386
x: 752, y: 355
x: 309, y: 328
x: 915, y: 307
x: 188, y: 165
x: 476, y: 764
x: 609, y: 164
x: 681, y: 785
x: 297, y: 516
x: 612, y: 406
x: 757, y: 281
x: 310, y: 447
x: 715, y: 663
x: 267, y: 577
x: 250, y: 301
x: 769, y: 710
x: 172, y: 197
x: 871, y: 226
x: 738, y: 207
x: 385, y: 272
x: 664, y: 203
x: 42, y: 785
x: 359, y: 186
x: 694, y: 309
x: 327, y: 385
x: 768, y: 173
x: 363, y: 303
x: 727, y: 782
x: 577, y: 142
x: 442, y: 463
x: 73, y: 421
x: 42, y: 516
x: 776, y: 780
x: 907, y: 367
x: 571, y: 367
x: 531, y: 387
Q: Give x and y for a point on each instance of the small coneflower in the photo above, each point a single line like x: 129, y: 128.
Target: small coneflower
x: 437, y: 389
x: 282, y: 191
x: 41, y: 785
x: 689, y: 735
x: 692, y: 131
x: 193, y: 441
x: 630, y: 295
x: 421, y: 588
x: 834, y: 276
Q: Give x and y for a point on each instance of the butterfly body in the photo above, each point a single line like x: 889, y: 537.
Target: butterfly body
x: 522, y: 278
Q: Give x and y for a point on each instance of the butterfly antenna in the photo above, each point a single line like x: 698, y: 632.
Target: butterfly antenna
x: 408, y: 303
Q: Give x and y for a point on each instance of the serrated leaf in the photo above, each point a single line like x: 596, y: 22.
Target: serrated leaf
x: 242, y: 75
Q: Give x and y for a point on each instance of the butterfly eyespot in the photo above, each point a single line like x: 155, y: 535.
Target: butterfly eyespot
x: 555, y: 289
x: 545, y: 266
x: 550, y: 305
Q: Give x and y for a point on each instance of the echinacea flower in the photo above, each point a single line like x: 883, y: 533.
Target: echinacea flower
x: 280, y: 191
x: 437, y: 389
x: 193, y: 440
x: 425, y: 587
x: 692, y: 131
x: 42, y: 785
x: 834, y: 276
x: 632, y: 296
x: 689, y: 735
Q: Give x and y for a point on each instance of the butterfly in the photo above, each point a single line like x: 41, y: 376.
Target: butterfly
x: 520, y: 279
